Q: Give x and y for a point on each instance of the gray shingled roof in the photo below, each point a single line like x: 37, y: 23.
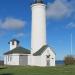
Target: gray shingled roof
x: 41, y: 50
x: 19, y: 50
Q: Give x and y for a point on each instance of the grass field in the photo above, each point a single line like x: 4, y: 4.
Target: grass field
x: 20, y: 70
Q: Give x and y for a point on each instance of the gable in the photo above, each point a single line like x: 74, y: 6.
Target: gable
x: 41, y: 50
x: 49, y: 51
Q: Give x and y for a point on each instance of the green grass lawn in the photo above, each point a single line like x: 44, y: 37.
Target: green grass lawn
x: 27, y: 70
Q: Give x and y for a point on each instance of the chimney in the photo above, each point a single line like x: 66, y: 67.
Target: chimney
x: 13, y: 43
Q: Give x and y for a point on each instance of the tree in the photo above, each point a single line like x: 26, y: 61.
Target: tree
x: 69, y: 60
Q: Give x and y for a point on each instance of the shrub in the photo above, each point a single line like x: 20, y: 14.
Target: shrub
x: 1, y: 62
x: 69, y: 60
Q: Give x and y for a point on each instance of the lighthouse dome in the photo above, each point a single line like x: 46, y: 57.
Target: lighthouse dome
x: 38, y: 1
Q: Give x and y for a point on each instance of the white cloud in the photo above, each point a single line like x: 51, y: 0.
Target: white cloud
x: 59, y: 9
x: 11, y: 23
x: 18, y: 35
x: 71, y: 25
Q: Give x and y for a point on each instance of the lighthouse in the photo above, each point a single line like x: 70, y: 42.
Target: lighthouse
x: 40, y: 54
x: 38, y: 33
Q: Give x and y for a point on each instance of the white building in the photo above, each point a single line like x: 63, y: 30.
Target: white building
x: 41, y: 54
x: 17, y: 55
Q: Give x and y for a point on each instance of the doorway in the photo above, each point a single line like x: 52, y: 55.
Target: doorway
x: 48, y: 60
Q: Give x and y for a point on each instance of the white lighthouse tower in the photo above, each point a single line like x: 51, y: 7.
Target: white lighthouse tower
x: 38, y: 36
x: 42, y: 54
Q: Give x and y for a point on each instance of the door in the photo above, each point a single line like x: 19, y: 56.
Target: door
x: 48, y: 60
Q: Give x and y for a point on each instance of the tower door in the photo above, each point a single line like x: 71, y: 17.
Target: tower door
x: 48, y: 60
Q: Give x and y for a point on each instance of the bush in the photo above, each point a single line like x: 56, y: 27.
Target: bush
x: 1, y: 62
x: 69, y: 60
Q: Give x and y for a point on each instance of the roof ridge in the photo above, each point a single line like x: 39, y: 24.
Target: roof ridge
x: 40, y: 50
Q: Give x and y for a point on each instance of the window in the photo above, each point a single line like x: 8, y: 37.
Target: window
x: 48, y: 56
x: 9, y: 57
x: 52, y: 58
x: 13, y: 43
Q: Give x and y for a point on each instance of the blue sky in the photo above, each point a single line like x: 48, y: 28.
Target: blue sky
x: 15, y: 22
